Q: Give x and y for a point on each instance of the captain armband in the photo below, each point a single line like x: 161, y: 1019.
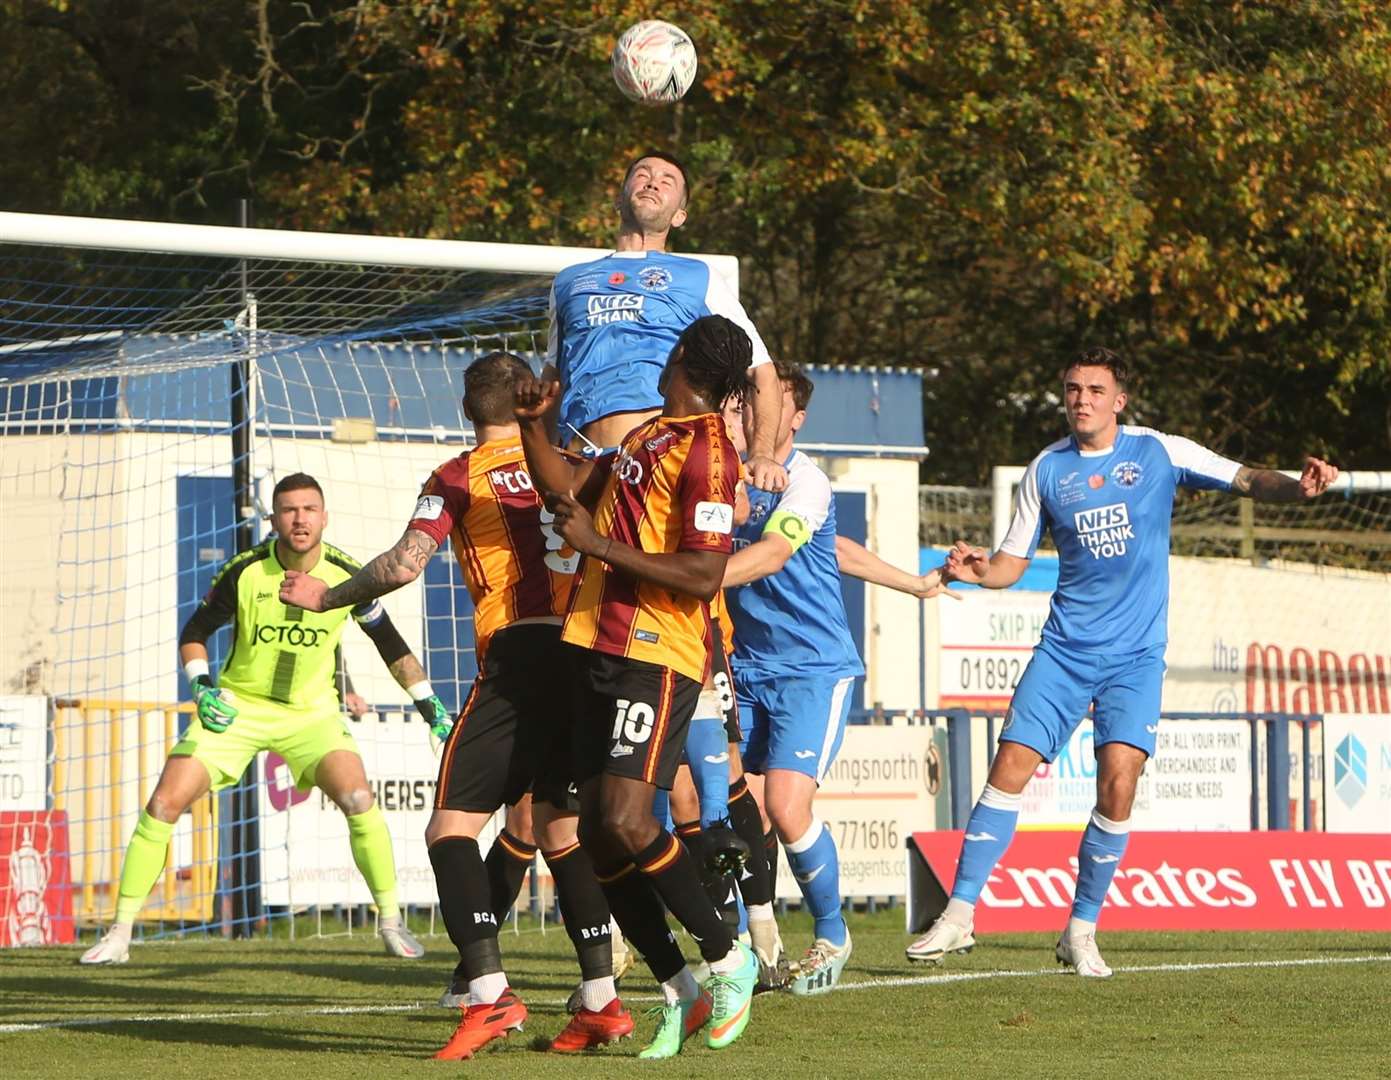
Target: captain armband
x: 791, y: 527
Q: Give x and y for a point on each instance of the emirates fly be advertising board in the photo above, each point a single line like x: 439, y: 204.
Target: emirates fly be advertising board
x: 1187, y: 881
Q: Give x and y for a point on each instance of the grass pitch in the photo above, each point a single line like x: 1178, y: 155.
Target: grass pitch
x: 1266, y: 1005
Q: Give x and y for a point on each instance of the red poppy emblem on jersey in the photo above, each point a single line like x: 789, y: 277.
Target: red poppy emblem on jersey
x: 1095, y: 481
x: 618, y: 277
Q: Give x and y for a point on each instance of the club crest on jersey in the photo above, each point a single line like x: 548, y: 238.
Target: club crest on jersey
x: 654, y: 278
x: 1127, y: 473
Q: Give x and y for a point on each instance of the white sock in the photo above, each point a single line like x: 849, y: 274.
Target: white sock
x: 961, y: 912
x: 760, y: 913
x: 596, y: 993
x: 486, y: 989
x: 680, y: 987
x: 1079, y: 928
x: 120, y: 929
x: 392, y: 922
x: 729, y: 963
x: 811, y: 836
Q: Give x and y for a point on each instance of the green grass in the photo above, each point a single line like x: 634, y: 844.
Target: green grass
x: 252, y: 1006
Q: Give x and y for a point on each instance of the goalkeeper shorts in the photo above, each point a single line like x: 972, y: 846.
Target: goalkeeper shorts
x: 301, y: 736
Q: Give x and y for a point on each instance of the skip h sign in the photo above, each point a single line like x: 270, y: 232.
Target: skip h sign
x: 1185, y: 881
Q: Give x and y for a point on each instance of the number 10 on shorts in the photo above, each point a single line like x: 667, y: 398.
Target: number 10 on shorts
x: 633, y: 721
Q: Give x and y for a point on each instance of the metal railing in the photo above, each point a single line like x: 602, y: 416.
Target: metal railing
x: 92, y: 742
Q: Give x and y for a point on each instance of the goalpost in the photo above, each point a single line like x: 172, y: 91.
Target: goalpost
x: 155, y: 381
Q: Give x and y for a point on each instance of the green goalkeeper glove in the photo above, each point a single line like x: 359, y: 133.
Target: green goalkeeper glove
x: 214, y: 712
x: 436, y: 715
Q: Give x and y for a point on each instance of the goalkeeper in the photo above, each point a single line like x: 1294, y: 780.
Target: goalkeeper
x: 276, y: 692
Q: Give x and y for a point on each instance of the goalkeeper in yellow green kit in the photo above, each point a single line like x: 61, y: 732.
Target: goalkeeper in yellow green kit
x: 277, y: 692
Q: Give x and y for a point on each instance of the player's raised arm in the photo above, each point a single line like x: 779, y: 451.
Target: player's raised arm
x: 1271, y: 485
x: 554, y: 474
x: 857, y: 561
x: 693, y: 573
x: 765, y: 471
x: 389, y: 571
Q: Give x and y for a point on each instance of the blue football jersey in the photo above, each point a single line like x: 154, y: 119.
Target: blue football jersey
x: 1109, y: 512
x: 793, y: 620
x: 613, y: 323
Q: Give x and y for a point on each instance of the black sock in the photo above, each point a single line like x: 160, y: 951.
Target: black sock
x: 770, y: 847
x: 508, y: 861
x: 584, y: 909
x: 640, y: 915
x: 464, y: 906
x: 757, y: 883
x: 672, y: 871
x: 719, y: 887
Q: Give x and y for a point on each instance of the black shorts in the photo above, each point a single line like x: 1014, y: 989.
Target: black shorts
x: 513, y: 733
x: 631, y: 718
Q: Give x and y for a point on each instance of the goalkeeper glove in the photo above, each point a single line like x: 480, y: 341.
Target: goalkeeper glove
x: 436, y: 715
x: 214, y: 712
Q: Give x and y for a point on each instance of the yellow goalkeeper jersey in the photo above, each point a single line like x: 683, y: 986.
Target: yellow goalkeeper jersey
x: 279, y: 653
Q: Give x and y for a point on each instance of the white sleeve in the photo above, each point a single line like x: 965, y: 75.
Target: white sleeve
x: 553, y: 333
x: 720, y: 301
x: 1197, y: 466
x: 1026, y: 529
x: 808, y: 495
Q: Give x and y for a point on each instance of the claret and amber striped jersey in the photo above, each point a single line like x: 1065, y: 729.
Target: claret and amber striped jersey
x: 515, y: 564
x: 670, y: 488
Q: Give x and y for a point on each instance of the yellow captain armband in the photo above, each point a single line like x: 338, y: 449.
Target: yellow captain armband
x: 791, y: 527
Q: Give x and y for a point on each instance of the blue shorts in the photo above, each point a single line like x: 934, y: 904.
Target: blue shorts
x: 793, y: 722
x: 597, y: 392
x: 1059, y: 687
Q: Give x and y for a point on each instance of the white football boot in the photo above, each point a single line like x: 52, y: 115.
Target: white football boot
x: 113, y: 948
x: 1080, y: 953
x: 819, y: 970
x: 399, y: 941
x: 943, y: 936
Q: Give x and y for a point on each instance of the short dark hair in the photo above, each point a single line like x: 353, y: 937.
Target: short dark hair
x: 489, y: 383
x: 670, y: 159
x: 297, y: 481
x: 1097, y: 356
x: 797, y: 381
x: 716, y: 354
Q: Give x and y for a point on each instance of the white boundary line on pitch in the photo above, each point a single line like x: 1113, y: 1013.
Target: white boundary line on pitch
x: 870, y: 984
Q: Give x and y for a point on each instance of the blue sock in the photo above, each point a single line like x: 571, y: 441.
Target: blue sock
x: 707, y: 753
x: 661, y: 809
x: 816, y: 867
x: 988, y: 833
x: 1101, y: 850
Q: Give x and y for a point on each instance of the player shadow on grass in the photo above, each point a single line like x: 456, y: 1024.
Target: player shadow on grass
x: 237, y: 1034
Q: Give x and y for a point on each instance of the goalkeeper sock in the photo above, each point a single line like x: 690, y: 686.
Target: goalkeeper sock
x: 371, y: 844
x: 146, y: 855
x: 507, y: 863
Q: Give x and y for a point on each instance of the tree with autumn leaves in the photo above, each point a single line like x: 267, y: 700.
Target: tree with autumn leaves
x: 975, y: 189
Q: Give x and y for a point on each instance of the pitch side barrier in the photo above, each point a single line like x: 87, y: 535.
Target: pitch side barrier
x: 963, y: 786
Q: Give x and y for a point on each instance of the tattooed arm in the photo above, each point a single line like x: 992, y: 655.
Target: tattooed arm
x: 1269, y: 485
x: 386, y: 573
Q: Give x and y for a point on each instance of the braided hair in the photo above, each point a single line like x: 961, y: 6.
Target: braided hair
x: 716, y: 354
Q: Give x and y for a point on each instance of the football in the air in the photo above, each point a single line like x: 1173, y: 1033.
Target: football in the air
x: 654, y: 63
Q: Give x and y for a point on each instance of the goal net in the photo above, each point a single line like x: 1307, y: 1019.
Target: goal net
x: 149, y: 401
